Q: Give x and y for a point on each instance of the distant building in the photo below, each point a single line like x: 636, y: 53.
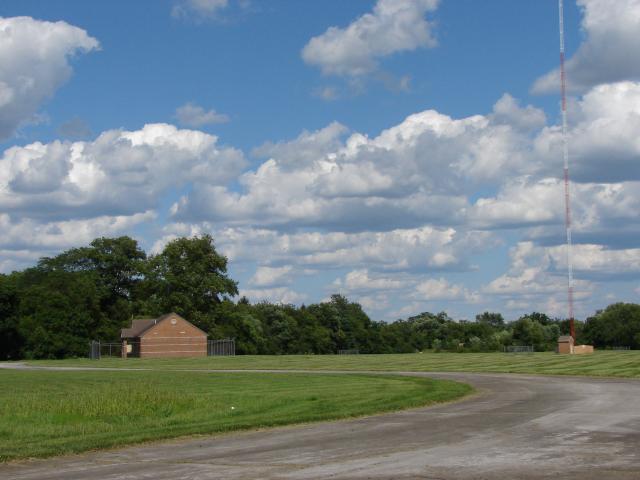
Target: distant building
x: 565, y: 344
x: 167, y: 336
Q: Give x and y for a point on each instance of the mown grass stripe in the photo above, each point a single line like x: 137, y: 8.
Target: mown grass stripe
x: 601, y: 363
x: 46, y: 413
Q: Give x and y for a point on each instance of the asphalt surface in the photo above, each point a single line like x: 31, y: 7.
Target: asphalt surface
x: 517, y: 427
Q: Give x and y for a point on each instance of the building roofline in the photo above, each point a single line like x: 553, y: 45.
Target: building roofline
x: 165, y: 317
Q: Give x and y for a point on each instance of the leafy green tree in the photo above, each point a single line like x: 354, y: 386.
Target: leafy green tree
x: 239, y: 322
x: 10, y: 338
x: 329, y: 317
x: 529, y: 332
x: 349, y: 326
x: 59, y: 313
x: 426, y: 329
x: 311, y: 336
x: 501, y: 339
x: 190, y: 278
x: 617, y: 325
x: 279, y: 326
x: 395, y: 337
x: 492, y: 319
x: 355, y: 323
x: 541, y: 318
x: 118, y: 265
x: 475, y: 344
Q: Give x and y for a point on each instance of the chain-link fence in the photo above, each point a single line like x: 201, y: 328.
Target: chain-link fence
x: 98, y: 349
x: 222, y: 347
x: 519, y: 349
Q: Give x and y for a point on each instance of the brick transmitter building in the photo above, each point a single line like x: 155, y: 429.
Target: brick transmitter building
x: 167, y: 336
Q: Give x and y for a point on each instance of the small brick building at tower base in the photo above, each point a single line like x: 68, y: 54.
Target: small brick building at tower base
x: 167, y: 336
x: 566, y: 345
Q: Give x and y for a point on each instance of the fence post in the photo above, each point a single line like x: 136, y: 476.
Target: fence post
x: 94, y: 350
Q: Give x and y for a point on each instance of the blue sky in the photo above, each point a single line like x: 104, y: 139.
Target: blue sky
x: 402, y: 152
x: 248, y: 63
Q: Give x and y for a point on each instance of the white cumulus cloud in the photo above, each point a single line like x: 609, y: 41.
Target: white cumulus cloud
x: 393, y: 26
x: 441, y: 289
x: 609, y: 51
x: 413, y: 173
x: 34, y: 63
x: 25, y: 240
x: 192, y: 115
x: 198, y: 8
x: 271, y: 276
x: 602, y: 213
x: 362, y: 280
x: 120, y: 172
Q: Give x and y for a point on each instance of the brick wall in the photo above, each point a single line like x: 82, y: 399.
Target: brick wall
x: 173, y: 337
x: 565, y: 347
x: 579, y: 349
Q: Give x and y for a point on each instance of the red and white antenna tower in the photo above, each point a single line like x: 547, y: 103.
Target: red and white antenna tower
x: 567, y: 192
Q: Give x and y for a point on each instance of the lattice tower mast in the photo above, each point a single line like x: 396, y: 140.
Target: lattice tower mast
x: 567, y: 192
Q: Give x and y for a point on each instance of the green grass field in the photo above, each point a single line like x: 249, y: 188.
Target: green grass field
x: 601, y: 363
x: 54, y: 412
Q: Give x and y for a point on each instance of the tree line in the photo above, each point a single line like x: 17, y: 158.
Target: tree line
x: 54, y: 309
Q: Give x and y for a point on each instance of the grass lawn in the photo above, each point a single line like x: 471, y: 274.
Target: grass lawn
x: 54, y: 412
x: 601, y: 363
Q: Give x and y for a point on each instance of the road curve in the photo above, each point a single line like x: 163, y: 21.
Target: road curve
x: 517, y: 427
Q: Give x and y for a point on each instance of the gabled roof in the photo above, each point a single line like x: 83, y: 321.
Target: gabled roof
x: 140, y: 326
x: 565, y: 338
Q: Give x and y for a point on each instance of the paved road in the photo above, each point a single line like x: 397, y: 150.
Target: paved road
x: 518, y: 427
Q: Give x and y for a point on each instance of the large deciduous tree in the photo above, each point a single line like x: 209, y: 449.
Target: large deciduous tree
x: 492, y: 319
x: 190, y: 278
x: 618, y: 325
x: 59, y: 313
x: 118, y: 265
x: 10, y: 338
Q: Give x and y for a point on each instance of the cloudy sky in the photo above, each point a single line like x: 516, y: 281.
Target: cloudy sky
x: 405, y: 153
